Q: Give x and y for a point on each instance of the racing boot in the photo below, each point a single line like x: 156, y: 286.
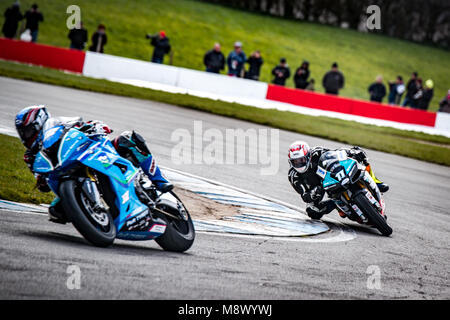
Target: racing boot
x: 152, y: 170
x: 56, y: 212
x: 383, y: 187
x: 317, y: 210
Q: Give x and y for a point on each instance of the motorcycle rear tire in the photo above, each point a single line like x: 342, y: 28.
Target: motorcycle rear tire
x: 173, y: 239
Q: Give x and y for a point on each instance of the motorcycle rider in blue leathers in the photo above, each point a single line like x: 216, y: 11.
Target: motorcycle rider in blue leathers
x: 302, y: 175
x: 30, y: 123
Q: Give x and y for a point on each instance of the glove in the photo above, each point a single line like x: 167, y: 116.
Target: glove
x: 316, y: 193
x: 96, y: 126
x: 41, y: 184
x: 359, y: 155
x: 29, y: 157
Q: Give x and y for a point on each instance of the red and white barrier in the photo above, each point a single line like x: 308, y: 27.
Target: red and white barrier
x: 198, y: 83
x: 351, y: 106
x: 42, y: 55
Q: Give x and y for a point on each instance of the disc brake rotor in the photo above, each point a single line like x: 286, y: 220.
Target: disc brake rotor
x: 100, y: 217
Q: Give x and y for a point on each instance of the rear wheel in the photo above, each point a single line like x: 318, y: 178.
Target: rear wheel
x: 180, y: 234
x: 373, y: 215
x: 95, y: 226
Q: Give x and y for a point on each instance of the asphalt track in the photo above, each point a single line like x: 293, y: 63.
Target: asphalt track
x: 413, y: 262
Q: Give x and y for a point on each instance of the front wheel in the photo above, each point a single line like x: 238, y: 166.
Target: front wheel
x: 373, y: 215
x: 180, y: 234
x: 96, y: 227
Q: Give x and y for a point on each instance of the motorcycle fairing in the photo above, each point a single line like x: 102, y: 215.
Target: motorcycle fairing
x: 121, y: 173
x: 99, y: 154
x: 42, y: 164
x: 52, y: 135
x: 155, y: 230
x: 328, y: 181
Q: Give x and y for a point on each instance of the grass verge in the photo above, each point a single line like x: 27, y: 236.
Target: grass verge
x: 416, y: 145
x: 16, y: 181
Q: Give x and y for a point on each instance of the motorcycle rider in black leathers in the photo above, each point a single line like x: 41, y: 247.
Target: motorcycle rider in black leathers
x: 30, y: 124
x: 303, y: 178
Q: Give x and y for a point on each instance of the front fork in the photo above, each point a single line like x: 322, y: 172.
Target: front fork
x: 344, y: 203
x: 90, y: 190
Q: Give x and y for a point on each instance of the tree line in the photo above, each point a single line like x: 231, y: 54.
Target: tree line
x: 423, y: 21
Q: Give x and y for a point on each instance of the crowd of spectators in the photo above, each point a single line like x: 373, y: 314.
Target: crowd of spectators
x: 32, y: 19
x: 417, y: 94
x: 79, y: 36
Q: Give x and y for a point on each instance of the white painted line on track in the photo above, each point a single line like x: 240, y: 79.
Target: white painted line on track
x: 345, y: 234
x: 257, y: 215
x: 261, y: 216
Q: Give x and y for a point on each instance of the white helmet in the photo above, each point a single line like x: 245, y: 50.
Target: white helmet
x: 299, y: 156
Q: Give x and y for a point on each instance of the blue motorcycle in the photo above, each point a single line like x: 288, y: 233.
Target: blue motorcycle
x: 349, y: 184
x: 104, y: 195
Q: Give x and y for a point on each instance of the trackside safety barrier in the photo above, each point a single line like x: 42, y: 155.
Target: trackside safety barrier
x: 350, y: 106
x: 197, y: 82
x: 42, y: 55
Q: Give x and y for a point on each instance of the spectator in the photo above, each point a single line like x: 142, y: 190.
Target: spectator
x: 377, y: 90
x: 281, y: 73
x: 78, y: 37
x: 392, y: 91
x: 214, y: 59
x: 444, y: 105
x: 411, y: 90
x: 418, y: 95
x: 333, y: 80
x: 400, y: 90
x: 255, y: 62
x: 162, y: 46
x: 310, y: 86
x: 426, y: 95
x: 301, y: 76
x: 99, y: 39
x: 33, y: 18
x: 236, y: 60
x: 396, y: 89
x: 12, y: 18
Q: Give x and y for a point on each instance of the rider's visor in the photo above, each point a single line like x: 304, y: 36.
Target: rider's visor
x: 299, y: 162
x: 28, y: 134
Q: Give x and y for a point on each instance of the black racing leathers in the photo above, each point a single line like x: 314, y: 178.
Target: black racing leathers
x: 309, y: 184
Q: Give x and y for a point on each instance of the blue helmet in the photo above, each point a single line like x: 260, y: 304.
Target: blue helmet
x: 29, y: 124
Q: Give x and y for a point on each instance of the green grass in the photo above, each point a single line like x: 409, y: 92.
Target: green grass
x: 407, y: 143
x: 194, y: 26
x: 16, y: 181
